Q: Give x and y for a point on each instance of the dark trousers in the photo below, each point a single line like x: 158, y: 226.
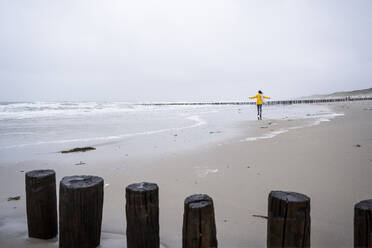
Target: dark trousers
x: 259, y: 111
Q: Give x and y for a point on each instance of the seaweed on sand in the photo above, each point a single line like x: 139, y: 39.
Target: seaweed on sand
x: 79, y: 149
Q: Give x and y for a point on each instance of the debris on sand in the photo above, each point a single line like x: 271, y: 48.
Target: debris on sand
x: 80, y: 149
x: 260, y: 216
x: 212, y: 132
x: 16, y: 198
x: 80, y: 163
x: 357, y: 145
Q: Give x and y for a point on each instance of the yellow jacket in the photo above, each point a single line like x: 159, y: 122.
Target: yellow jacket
x: 259, y: 98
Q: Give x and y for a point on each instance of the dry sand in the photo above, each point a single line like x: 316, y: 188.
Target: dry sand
x: 321, y: 161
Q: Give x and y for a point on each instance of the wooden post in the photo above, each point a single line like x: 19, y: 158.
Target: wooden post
x: 289, y: 220
x: 363, y: 224
x: 41, y: 204
x: 80, y: 211
x: 142, y: 211
x: 199, y: 227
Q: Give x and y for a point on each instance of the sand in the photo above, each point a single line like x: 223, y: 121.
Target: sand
x: 322, y: 161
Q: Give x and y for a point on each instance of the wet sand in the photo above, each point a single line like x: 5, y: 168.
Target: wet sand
x: 321, y: 161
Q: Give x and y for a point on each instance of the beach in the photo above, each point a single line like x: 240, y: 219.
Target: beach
x: 323, y: 154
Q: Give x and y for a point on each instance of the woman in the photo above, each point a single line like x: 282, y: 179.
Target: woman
x: 259, y: 102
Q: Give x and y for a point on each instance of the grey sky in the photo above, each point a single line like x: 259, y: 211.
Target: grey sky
x: 194, y: 50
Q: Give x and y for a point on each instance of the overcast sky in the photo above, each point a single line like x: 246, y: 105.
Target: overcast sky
x: 191, y: 50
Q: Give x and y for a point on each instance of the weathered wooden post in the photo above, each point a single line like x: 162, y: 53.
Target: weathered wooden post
x: 289, y: 220
x: 199, y: 227
x: 41, y: 204
x: 363, y: 224
x: 142, y: 211
x: 80, y: 211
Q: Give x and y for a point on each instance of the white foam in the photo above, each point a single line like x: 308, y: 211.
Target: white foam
x: 325, y: 118
x: 318, y: 118
x: 204, y: 171
x: 269, y: 135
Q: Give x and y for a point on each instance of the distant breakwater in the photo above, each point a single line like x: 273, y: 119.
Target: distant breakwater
x: 283, y: 102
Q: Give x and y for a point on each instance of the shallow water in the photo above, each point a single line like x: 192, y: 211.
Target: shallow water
x: 37, y: 129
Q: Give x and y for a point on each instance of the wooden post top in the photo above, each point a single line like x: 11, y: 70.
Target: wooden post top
x: 289, y: 196
x: 198, y: 201
x: 142, y: 187
x: 78, y: 182
x: 364, y: 205
x: 39, y: 173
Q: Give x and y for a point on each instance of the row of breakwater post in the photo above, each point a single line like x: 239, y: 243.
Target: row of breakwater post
x: 81, y: 206
x: 278, y: 102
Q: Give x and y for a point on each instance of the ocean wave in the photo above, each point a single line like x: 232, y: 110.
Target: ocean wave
x: 16, y: 133
x: 27, y: 110
x: 50, y: 109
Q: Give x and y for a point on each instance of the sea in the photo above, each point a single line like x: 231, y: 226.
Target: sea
x: 37, y: 130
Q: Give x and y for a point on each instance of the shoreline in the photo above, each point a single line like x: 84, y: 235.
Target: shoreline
x: 237, y: 175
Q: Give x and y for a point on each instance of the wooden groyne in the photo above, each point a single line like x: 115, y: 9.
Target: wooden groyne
x: 142, y: 212
x: 81, y: 207
x: 279, y: 102
x: 319, y: 101
x: 80, y: 211
x: 288, y: 223
x: 41, y: 201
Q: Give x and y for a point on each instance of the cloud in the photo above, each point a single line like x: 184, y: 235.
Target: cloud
x: 182, y: 50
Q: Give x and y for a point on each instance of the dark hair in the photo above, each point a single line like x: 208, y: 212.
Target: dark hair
x: 260, y: 92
